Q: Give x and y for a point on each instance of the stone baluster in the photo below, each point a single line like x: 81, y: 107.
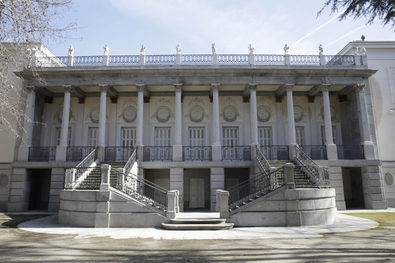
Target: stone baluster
x: 331, y: 149
x: 216, y: 146
x: 364, y: 122
x: 177, y: 147
x: 23, y: 153
x: 61, y: 149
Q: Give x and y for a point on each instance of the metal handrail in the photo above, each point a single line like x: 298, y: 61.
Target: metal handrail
x: 141, y: 189
x: 258, y: 186
x: 239, y: 152
x: 129, y: 164
x: 75, y: 176
x: 317, y: 175
x: 42, y: 153
x: 197, y: 153
x: 262, y: 163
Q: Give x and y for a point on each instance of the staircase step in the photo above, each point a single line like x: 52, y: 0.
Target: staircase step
x: 198, y: 220
x: 221, y: 226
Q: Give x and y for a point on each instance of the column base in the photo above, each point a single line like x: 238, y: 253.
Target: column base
x: 331, y: 151
x: 177, y: 153
x: 23, y: 153
x: 100, y: 153
x: 217, y: 182
x: 292, y: 151
x: 216, y: 152
x: 61, y: 153
x: 368, y: 149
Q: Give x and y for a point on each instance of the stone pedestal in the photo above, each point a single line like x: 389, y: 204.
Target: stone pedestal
x: 222, y: 203
x: 172, y: 204
x: 216, y: 152
x: 177, y: 153
x: 217, y: 182
x: 61, y: 153
x: 331, y: 151
x: 368, y: 150
x: 177, y: 183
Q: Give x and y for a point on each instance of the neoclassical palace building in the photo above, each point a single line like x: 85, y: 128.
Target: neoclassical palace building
x: 188, y: 132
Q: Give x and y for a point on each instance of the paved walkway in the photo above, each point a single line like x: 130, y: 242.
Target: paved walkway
x: 344, y: 223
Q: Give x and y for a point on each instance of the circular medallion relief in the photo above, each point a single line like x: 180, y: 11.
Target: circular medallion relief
x: 388, y: 178
x: 298, y: 113
x: 196, y: 114
x: 163, y: 114
x: 94, y: 115
x: 3, y: 180
x: 263, y: 113
x: 230, y: 113
x: 129, y: 114
x: 333, y: 113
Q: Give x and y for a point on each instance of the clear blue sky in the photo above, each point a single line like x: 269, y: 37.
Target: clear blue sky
x: 194, y: 24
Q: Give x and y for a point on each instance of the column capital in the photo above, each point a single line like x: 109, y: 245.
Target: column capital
x: 215, y: 86
x: 31, y: 88
x: 178, y: 86
x: 253, y: 85
x: 325, y: 86
x: 360, y: 87
x: 140, y: 87
x: 67, y: 88
x: 289, y: 86
x: 103, y: 87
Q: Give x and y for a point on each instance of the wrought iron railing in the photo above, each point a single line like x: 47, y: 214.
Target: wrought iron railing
x: 350, y: 152
x: 78, y: 153
x: 275, y: 152
x: 42, y: 153
x: 260, y: 185
x: 157, y: 153
x: 141, y: 189
x: 262, y: 163
x: 236, y: 153
x: 197, y: 153
x: 315, y: 152
x: 117, y: 154
x: 317, y: 175
x: 75, y: 176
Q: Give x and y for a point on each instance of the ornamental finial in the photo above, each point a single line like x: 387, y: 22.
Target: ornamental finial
x: 286, y: 49
x: 142, y: 50
x: 71, y: 50
x: 106, y: 50
x: 251, y: 49
x: 178, y: 49
x: 321, y: 49
x: 213, y: 49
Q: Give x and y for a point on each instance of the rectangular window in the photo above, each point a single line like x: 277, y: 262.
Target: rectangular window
x: 196, y: 136
x: 162, y: 136
x: 333, y: 134
x: 265, y: 136
x: 58, y: 134
x: 128, y: 137
x: 92, y: 136
x: 300, y: 139
x: 230, y: 136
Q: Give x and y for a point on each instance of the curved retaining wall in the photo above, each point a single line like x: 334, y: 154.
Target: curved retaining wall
x: 92, y: 208
x: 289, y: 207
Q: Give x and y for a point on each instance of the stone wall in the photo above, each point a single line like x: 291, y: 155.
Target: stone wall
x: 290, y: 207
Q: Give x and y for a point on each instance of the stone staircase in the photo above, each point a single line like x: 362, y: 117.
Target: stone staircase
x: 301, y: 179
x: 93, y: 180
x: 197, y: 221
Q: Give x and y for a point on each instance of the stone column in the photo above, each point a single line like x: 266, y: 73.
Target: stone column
x: 364, y: 123
x: 64, y: 132
x: 291, y: 121
x: 102, y: 122
x: 177, y: 147
x: 112, y: 133
x: 79, y: 127
x: 23, y: 153
x: 216, y: 146
x: 253, y: 119
x: 331, y: 149
x: 140, y: 120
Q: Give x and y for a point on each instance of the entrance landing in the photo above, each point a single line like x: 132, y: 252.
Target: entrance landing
x: 201, y: 215
x: 197, y: 221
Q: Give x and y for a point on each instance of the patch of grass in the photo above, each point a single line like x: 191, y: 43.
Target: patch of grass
x: 384, y: 219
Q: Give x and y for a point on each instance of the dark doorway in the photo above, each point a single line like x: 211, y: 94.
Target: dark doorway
x: 196, y: 189
x: 38, y: 183
x: 353, y: 189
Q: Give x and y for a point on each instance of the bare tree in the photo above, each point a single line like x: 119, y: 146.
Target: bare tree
x: 24, y: 26
x: 382, y: 9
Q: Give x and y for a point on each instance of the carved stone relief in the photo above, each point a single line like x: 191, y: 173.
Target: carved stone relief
x: 196, y: 114
x: 298, y: 113
x: 94, y: 115
x: 163, y: 114
x: 230, y: 113
x: 263, y: 113
x: 129, y: 114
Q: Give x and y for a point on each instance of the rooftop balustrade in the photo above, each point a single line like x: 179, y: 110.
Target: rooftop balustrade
x: 203, y: 59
